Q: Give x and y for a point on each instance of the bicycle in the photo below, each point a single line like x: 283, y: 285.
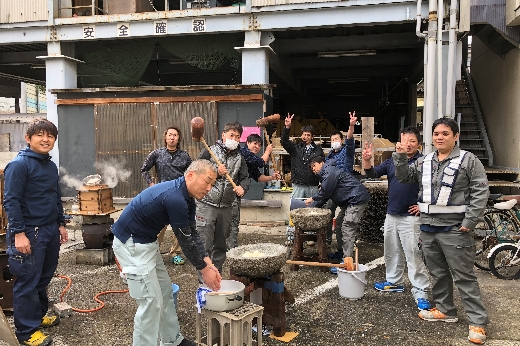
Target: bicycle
x: 504, y: 260
x: 501, y: 221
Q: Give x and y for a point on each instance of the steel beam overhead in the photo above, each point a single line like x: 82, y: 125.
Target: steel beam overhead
x: 367, y: 72
x: 338, y: 43
x: 383, y: 59
x: 262, y: 21
x: 21, y: 58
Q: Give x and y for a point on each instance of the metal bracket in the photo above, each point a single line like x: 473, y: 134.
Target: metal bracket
x: 253, y: 23
x: 53, y: 34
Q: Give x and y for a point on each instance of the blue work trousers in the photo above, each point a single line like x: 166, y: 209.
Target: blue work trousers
x: 33, y: 272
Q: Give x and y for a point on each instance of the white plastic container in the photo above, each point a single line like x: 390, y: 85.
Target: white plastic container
x: 352, y: 284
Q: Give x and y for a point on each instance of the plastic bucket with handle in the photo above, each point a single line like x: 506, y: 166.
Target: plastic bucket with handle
x: 352, y: 284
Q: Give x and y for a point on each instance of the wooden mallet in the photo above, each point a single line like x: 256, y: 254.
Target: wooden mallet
x: 263, y: 122
x: 197, y: 134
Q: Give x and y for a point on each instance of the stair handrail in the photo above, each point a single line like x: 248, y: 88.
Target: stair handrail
x: 480, y: 119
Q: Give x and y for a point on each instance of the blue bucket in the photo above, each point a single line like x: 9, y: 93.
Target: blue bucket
x: 175, y: 290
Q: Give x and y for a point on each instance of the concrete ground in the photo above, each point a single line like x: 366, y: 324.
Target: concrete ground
x: 320, y: 315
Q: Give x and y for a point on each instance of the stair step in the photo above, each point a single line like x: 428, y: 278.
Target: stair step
x: 503, y: 183
x: 473, y: 148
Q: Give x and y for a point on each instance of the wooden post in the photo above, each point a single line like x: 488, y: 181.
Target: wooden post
x: 367, y: 135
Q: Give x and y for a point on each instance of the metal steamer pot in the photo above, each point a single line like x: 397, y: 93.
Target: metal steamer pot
x: 229, y: 297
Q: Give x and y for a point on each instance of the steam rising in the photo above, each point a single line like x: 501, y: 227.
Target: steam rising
x: 112, y: 172
x: 70, y: 180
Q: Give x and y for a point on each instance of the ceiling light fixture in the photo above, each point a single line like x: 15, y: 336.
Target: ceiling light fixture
x: 347, y: 80
x: 362, y: 52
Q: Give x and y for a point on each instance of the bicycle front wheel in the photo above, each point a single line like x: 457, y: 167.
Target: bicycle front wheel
x: 505, y: 262
x: 496, y: 227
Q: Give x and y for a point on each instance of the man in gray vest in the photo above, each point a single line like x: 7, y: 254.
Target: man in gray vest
x: 453, y: 191
x: 213, y: 214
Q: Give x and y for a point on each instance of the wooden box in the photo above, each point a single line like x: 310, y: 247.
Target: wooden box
x: 95, y: 199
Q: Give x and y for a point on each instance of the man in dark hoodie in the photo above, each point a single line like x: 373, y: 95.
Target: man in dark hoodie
x: 213, y: 214
x: 346, y: 191
x: 32, y: 201
x: 170, y: 163
x: 304, y: 182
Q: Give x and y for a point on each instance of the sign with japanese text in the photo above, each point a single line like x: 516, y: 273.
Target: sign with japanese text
x: 89, y: 31
x: 160, y: 27
x: 198, y: 25
x: 123, y: 30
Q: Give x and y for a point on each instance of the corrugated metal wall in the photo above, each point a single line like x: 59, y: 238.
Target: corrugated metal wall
x: 494, y: 13
x: 125, y: 135
x: 18, y: 11
x: 180, y: 114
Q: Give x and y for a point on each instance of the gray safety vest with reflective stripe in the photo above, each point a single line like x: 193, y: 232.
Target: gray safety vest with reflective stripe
x: 441, y: 205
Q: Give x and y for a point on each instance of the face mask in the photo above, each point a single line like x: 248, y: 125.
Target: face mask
x: 335, y: 145
x: 231, y: 144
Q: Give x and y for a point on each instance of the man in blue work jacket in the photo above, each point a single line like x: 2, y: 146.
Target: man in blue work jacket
x: 32, y: 201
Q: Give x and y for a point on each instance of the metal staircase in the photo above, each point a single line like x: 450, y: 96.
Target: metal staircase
x: 474, y: 138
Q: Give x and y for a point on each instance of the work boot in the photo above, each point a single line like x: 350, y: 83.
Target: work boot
x: 435, y: 315
x: 50, y: 321
x: 38, y: 339
x: 477, y: 335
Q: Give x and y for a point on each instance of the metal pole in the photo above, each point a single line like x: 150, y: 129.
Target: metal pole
x: 451, y: 59
x: 418, y: 26
x: 440, y: 26
x: 429, y: 102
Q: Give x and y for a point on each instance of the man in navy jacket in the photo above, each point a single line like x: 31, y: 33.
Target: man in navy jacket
x: 137, y: 249
x: 401, y: 228
x: 32, y: 201
x: 346, y: 191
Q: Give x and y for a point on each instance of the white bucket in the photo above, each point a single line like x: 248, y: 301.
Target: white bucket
x: 352, y: 284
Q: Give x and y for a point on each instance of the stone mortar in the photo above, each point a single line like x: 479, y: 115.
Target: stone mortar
x: 254, y: 267
x: 310, y: 219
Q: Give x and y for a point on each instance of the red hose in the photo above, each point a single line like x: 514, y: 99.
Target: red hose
x: 102, y: 304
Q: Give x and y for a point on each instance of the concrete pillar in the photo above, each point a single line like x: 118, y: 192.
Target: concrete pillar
x: 23, y: 97
x: 61, y: 73
x: 255, y: 57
